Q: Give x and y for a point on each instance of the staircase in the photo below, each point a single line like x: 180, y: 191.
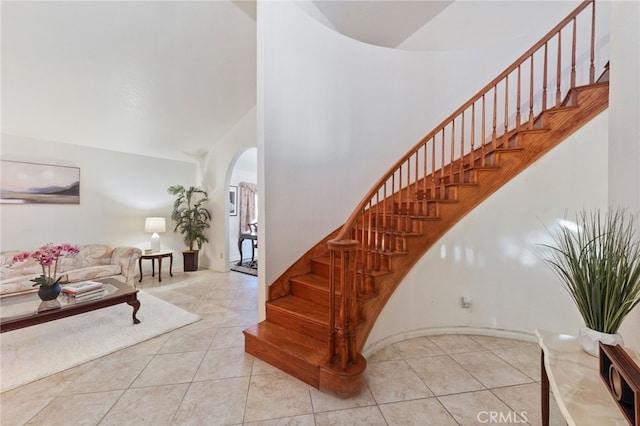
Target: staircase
x: 321, y: 310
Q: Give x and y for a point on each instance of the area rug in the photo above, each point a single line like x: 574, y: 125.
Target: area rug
x: 246, y: 267
x: 32, y: 353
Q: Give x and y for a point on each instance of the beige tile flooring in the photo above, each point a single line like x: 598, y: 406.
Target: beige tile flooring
x: 200, y: 375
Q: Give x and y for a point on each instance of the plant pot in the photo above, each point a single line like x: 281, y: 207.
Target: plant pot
x: 190, y: 259
x: 50, y: 292
x: 589, y: 340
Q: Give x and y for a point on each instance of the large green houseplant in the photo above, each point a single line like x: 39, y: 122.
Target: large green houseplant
x: 192, y: 219
x: 599, y: 265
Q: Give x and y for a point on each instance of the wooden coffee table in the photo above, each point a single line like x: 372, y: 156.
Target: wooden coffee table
x: 24, y: 310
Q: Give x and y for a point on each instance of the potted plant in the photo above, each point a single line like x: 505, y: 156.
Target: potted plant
x: 599, y: 265
x: 192, y: 219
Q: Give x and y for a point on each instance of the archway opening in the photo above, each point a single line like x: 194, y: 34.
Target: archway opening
x: 241, y: 251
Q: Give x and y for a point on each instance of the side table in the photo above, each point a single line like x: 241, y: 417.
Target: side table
x: 159, y: 255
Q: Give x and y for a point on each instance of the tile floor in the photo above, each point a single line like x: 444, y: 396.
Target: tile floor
x: 200, y: 375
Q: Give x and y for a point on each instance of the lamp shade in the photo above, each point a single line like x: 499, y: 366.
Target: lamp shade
x: 155, y: 224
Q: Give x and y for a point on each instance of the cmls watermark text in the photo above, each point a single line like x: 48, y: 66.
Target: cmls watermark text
x: 512, y: 417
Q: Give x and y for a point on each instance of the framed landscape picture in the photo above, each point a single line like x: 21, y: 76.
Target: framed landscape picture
x: 233, y: 201
x: 33, y: 183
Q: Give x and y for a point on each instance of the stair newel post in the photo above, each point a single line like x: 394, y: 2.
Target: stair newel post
x: 343, y: 321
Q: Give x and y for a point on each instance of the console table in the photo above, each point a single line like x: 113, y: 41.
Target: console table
x: 159, y: 255
x: 574, y: 378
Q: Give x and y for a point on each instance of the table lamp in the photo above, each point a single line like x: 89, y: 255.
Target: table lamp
x: 155, y: 225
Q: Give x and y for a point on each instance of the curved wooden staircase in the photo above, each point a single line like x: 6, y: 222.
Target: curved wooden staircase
x: 321, y: 310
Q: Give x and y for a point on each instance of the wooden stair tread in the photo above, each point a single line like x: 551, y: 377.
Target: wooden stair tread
x: 439, y: 200
x: 469, y: 167
x: 409, y: 214
x: 509, y: 149
x: 561, y: 108
x: 525, y: 131
x: 313, y: 280
x: 465, y: 183
x: 394, y: 231
x: 387, y: 253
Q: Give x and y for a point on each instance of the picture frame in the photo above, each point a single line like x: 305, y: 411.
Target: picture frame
x: 36, y: 183
x: 233, y: 201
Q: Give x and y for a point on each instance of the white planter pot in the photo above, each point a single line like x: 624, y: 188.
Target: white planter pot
x: 589, y: 340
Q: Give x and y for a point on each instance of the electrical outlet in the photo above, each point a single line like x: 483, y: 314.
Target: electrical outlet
x: 465, y: 302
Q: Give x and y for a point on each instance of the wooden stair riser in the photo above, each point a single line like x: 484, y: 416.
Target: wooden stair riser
x: 322, y: 297
x: 298, y: 321
x: 548, y: 120
x: 442, y: 193
x: 459, y: 176
x: 321, y: 267
x: 525, y: 137
x: 269, y: 352
x: 373, y: 260
x: 421, y: 206
x: 311, y: 292
x: 307, y: 287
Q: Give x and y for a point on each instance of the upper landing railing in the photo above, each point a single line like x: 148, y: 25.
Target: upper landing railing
x: 538, y: 80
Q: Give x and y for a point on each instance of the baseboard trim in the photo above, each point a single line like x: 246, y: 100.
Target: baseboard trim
x: 372, y: 348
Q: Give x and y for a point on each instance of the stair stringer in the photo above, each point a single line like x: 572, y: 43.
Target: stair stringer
x: 525, y: 147
x: 592, y: 100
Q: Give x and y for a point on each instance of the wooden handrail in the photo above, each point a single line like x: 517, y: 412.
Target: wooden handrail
x: 379, y: 224
x: 349, y: 223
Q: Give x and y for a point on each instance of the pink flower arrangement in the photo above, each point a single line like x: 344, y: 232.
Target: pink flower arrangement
x: 47, y: 256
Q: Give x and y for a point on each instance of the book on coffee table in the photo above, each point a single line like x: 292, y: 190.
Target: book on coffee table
x: 83, y: 287
x: 86, y: 294
x: 84, y: 298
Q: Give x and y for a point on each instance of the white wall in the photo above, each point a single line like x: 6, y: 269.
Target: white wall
x: 217, y: 167
x: 468, y: 24
x: 338, y: 113
x: 624, y: 131
x: 117, y: 192
x: 492, y: 254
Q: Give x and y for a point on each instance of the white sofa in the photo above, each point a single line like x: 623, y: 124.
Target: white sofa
x: 94, y: 261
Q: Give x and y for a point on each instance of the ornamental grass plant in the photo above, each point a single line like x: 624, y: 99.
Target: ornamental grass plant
x: 599, y: 265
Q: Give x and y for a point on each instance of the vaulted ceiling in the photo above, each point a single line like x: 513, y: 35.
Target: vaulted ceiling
x: 158, y: 78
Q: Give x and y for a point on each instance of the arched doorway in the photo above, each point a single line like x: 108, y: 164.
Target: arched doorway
x: 245, y: 171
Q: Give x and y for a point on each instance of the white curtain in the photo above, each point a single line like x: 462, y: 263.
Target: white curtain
x: 247, y: 210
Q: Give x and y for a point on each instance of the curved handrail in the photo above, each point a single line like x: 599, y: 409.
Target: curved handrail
x: 349, y: 224
x: 377, y: 228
